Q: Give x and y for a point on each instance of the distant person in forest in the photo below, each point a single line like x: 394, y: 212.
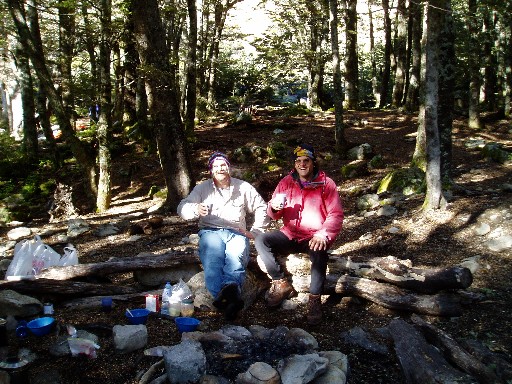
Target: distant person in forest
x: 221, y: 205
x: 309, y: 205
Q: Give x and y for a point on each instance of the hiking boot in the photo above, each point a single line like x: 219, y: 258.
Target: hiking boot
x: 225, y: 295
x: 314, y: 309
x: 235, y: 304
x: 279, y: 290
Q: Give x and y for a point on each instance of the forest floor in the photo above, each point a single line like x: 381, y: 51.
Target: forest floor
x: 440, y: 239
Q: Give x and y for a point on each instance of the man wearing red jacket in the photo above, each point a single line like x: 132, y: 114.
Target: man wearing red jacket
x: 312, y: 216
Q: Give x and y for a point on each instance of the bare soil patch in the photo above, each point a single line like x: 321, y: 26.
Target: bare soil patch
x: 441, y: 239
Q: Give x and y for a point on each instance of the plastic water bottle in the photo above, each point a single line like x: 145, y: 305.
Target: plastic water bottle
x: 166, y: 295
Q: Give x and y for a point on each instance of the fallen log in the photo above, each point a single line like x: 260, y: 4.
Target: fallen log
x: 119, y: 265
x: 388, y: 296
x: 454, y: 352
x: 421, y: 362
x: 401, y: 273
x: 56, y: 287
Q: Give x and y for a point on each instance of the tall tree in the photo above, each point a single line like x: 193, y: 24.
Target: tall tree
x: 27, y: 101
x: 339, y: 132
x: 415, y: 17
x: 352, y: 61
x: 373, y: 58
x: 446, y: 47
x: 386, y: 71
x: 429, y: 108
x: 85, y: 157
x: 473, y: 23
x: 162, y: 102
x: 66, y: 49
x: 190, y: 89
x: 400, y: 54
x: 104, y: 133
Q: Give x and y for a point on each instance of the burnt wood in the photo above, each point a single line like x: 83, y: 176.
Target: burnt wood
x: 421, y: 362
x: 454, y: 352
x: 401, y: 273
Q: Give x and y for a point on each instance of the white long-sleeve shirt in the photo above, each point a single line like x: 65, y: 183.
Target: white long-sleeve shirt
x: 229, y: 207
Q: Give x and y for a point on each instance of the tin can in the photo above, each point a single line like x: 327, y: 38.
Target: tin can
x: 4, y: 342
x: 48, y: 309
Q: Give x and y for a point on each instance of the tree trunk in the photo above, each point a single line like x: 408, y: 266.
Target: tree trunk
x: 454, y: 352
x: 420, y: 361
x: 402, y: 274
x: 429, y: 113
x: 85, y: 157
x: 66, y: 49
x: 191, y: 80
x: 490, y: 64
x: 339, y: 133
x: 90, y: 44
x: 65, y: 288
x: 388, y: 296
x: 27, y: 99
x: 446, y: 90
x: 375, y: 81
x: 400, y: 50
x: 474, y: 66
x: 386, y: 71
x: 412, y: 99
x: 162, y: 102
x: 104, y: 133
x: 43, y: 111
x: 352, y: 62
x: 119, y: 265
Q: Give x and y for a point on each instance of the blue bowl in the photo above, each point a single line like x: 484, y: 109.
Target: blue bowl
x: 41, y: 326
x: 186, y: 324
x: 137, y: 316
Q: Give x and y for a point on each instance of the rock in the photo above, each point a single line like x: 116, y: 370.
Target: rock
x: 77, y: 227
x: 482, y: 229
x: 500, y: 244
x: 337, y: 359
x: 19, y: 233
x: 107, y: 230
x: 259, y: 373
x: 211, y: 379
x: 368, y: 201
x: 185, y: 362
x: 14, y: 304
x: 386, y: 211
x: 334, y: 375
x: 301, y: 369
x: 302, y: 339
x: 359, y: 337
x: 129, y: 338
x: 361, y: 152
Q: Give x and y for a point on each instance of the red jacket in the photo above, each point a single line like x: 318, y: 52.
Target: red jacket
x: 311, y: 208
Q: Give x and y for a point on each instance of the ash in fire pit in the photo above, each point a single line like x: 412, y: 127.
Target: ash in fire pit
x: 291, y: 354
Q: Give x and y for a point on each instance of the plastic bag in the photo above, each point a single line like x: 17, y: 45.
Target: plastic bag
x: 22, y: 262
x: 70, y: 256
x: 80, y: 346
x: 32, y: 256
x: 44, y: 257
x: 180, y: 291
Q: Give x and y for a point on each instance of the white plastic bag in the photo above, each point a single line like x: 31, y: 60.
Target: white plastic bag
x: 80, y: 346
x: 180, y: 291
x: 70, y: 256
x: 22, y: 263
x: 32, y: 256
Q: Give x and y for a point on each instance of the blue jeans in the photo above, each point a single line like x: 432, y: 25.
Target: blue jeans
x: 224, y: 254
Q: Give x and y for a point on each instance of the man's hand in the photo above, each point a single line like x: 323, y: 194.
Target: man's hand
x: 203, y: 209
x: 318, y: 243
